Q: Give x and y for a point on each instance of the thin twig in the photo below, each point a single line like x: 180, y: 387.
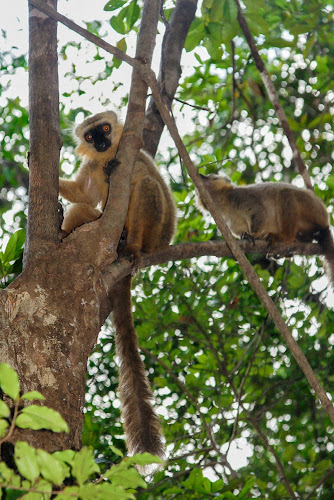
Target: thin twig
x: 194, y: 106
x: 12, y: 425
x: 319, y: 483
x: 266, y: 442
x: 239, y: 392
x: 194, y: 452
x: 272, y: 94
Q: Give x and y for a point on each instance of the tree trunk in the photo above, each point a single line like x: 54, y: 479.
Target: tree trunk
x: 45, y: 141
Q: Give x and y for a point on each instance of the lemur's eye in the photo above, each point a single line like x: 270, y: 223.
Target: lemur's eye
x: 106, y: 128
x: 88, y: 137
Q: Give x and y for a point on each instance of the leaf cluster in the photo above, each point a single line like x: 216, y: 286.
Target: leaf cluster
x: 63, y: 474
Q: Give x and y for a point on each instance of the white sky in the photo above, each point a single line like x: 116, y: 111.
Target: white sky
x: 15, y: 22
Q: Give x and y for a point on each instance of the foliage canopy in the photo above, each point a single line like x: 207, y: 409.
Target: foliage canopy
x: 225, y: 384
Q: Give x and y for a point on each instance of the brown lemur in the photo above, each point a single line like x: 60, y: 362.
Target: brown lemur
x: 277, y: 211
x: 150, y: 226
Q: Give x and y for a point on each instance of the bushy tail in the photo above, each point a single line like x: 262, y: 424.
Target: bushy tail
x: 326, y: 242
x: 141, y: 423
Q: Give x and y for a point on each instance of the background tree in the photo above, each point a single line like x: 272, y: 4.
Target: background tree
x: 222, y: 376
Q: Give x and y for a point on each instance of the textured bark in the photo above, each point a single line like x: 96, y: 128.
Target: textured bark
x: 45, y: 142
x: 50, y: 318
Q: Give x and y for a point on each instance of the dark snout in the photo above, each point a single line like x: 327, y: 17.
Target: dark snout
x: 203, y: 177
x: 103, y: 145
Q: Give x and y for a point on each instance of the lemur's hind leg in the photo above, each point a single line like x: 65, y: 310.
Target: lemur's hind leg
x: 78, y: 214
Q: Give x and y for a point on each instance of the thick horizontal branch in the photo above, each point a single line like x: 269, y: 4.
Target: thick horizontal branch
x: 114, y: 272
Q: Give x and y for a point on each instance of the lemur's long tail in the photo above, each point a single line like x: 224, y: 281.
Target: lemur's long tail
x: 141, y: 423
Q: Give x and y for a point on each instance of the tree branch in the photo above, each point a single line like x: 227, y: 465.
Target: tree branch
x: 319, y: 483
x: 131, y: 141
x: 183, y: 251
x: 273, y: 97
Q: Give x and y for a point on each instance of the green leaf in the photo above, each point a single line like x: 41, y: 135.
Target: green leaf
x: 32, y: 395
x: 4, y: 410
x: 254, y: 5
x: 52, y: 470
x: 65, y: 456
x: 257, y: 24
x: 5, y: 472
x: 41, y: 485
x: 323, y: 466
x: 290, y: 452
x: 230, y: 11
x: 70, y: 492
x: 3, y: 427
x: 132, y: 14
x: 40, y: 417
x: 114, y: 4
x: 143, y: 459
x: 116, y: 451
x: 15, y: 242
x: 216, y: 11
x: 121, y: 45
x: 118, y: 23
x: 83, y: 465
x: 104, y: 491
x: 197, y: 482
x: 195, y: 35
x: 229, y: 31
x: 130, y: 477
x: 248, y: 486
x: 8, y: 476
x: 26, y: 461
x: 9, y: 381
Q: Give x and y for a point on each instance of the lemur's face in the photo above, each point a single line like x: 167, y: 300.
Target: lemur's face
x: 99, y: 137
